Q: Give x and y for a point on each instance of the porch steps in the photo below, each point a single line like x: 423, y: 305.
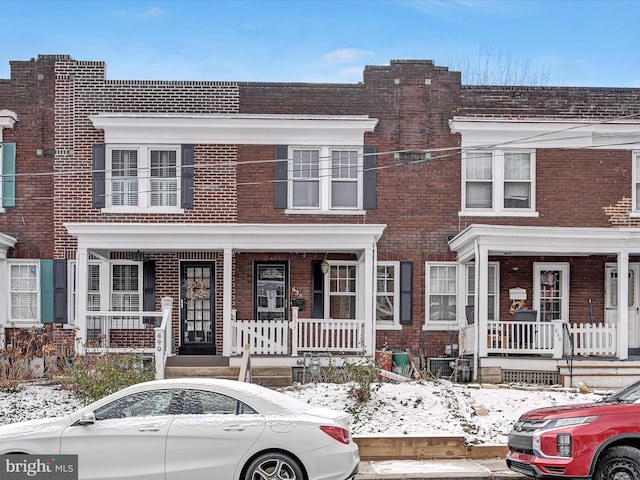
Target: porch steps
x: 205, y: 367
x: 605, y: 373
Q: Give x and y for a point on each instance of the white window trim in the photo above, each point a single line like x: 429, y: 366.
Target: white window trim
x: 106, y: 284
x: 144, y: 180
x: 24, y: 323
x: 395, y: 324
x: 496, y: 280
x: 442, y: 324
x: 498, y: 210
x: 325, y: 176
x: 327, y: 288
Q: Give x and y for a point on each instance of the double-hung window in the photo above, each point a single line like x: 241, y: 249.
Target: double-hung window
x: 342, y: 291
x: 492, y: 288
x: 498, y: 182
x: 110, y: 286
x: 24, y: 291
x: 442, y: 292
x: 387, y: 295
x: 143, y: 178
x: 325, y: 178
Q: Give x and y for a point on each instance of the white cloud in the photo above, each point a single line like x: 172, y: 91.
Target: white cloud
x: 344, y: 55
x: 152, y: 12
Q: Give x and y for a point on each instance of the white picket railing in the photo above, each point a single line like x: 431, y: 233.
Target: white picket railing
x: 264, y: 337
x: 521, y: 337
x: 329, y: 335
x: 517, y: 337
x: 594, y: 339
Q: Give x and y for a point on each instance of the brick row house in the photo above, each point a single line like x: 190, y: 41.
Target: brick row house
x: 483, y: 229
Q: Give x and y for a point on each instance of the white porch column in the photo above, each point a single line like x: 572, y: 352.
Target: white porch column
x: 369, y: 300
x: 227, y: 301
x: 623, y: 310
x: 482, y: 300
x: 4, y: 292
x: 82, y: 267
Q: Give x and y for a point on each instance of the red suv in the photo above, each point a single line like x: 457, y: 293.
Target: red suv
x: 596, y: 440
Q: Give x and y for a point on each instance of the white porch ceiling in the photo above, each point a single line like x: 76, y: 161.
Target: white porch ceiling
x: 105, y: 237
x: 548, y: 241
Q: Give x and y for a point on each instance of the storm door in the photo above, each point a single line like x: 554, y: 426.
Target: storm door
x: 271, y: 287
x: 197, y: 308
x: 612, y: 302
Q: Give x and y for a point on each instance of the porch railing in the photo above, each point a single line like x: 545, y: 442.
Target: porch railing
x: 281, y: 337
x: 518, y: 337
x: 594, y: 339
x: 163, y: 338
x: 263, y: 337
x: 121, y: 331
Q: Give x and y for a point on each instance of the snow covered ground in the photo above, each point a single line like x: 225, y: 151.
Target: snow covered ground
x: 483, y: 414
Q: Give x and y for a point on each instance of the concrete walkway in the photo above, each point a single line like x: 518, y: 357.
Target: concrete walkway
x: 489, y: 469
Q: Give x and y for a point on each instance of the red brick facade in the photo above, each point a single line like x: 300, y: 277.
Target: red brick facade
x: 418, y: 200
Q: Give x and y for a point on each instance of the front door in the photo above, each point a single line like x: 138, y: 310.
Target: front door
x: 271, y: 288
x: 197, y: 308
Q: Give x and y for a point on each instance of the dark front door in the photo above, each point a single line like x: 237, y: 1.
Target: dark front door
x: 197, y: 308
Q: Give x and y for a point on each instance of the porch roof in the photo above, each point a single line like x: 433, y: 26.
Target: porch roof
x: 101, y: 238
x: 548, y: 241
x: 6, y: 242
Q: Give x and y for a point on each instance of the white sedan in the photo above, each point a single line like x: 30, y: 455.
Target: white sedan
x: 195, y: 429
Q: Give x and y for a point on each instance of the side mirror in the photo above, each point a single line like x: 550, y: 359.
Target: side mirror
x: 88, y: 418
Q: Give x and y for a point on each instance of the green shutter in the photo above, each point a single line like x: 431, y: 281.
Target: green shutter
x: 46, y: 291
x: 8, y: 174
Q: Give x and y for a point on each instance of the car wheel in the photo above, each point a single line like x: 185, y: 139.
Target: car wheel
x: 619, y: 463
x: 274, y: 466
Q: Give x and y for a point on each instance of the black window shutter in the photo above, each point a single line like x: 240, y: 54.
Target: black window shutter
x: 370, y: 164
x: 317, y: 290
x: 187, y: 178
x: 281, y: 176
x: 60, y: 290
x: 98, y: 166
x: 406, y: 293
x: 149, y: 290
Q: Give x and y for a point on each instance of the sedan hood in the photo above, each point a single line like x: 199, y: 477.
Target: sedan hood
x: 33, y: 427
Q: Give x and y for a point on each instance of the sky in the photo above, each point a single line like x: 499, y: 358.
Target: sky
x: 541, y: 42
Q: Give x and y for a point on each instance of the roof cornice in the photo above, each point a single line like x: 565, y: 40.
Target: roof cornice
x: 233, y: 128
x: 494, y: 132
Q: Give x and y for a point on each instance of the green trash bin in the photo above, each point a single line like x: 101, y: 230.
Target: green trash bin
x: 401, y: 364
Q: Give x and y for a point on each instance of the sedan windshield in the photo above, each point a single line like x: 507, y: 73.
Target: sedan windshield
x: 630, y: 394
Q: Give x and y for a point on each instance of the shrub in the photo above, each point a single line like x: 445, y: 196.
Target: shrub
x: 94, y: 377
x: 362, y: 375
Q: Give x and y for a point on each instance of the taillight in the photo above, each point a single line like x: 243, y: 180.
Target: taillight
x: 337, y: 433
